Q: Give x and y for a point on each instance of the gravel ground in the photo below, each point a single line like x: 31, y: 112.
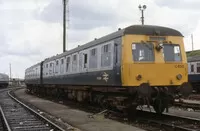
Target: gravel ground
x: 75, y: 117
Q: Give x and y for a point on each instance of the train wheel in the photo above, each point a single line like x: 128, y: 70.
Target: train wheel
x: 159, y: 106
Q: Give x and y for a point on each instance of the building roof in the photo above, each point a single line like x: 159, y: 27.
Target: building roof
x: 193, y: 55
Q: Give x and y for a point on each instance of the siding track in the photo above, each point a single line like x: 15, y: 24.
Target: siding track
x: 19, y: 117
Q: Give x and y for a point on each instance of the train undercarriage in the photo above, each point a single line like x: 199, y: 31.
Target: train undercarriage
x: 116, y: 98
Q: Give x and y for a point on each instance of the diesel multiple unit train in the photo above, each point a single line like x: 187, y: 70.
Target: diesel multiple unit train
x: 4, y: 80
x: 137, y: 65
x: 194, y: 69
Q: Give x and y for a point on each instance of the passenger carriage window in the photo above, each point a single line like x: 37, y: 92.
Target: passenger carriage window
x: 106, y: 55
x: 53, y: 68
x: 171, y: 52
x: 143, y: 52
x: 192, y: 68
x: 105, y: 48
x: 57, y: 67
x: 93, y: 52
x: 62, y: 61
x: 74, y: 58
x: 74, y: 63
x: 85, y: 60
x: 46, y: 65
x: 198, y: 67
x: 93, y: 58
x: 50, y: 71
x: 36, y: 72
x: 68, y: 64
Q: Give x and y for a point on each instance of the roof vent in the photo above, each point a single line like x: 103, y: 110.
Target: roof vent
x: 95, y: 38
x: 119, y: 28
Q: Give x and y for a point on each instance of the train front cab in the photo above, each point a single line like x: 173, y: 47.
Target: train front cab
x: 156, y: 67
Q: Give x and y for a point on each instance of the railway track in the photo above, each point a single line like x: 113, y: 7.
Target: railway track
x: 185, y: 104
x: 149, y: 121
x: 166, y: 122
x: 17, y: 116
x: 192, y: 106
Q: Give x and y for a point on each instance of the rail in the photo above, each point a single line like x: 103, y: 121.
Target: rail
x: 5, y: 120
x: 29, y: 118
x: 171, y: 122
x: 36, y: 113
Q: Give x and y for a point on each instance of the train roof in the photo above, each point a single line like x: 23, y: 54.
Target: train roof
x: 3, y: 76
x: 33, y: 66
x: 151, y: 30
x: 134, y: 29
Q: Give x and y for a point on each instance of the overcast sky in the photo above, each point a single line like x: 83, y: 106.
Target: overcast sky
x: 31, y: 30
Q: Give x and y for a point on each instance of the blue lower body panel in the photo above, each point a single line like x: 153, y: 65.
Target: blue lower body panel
x: 194, y: 78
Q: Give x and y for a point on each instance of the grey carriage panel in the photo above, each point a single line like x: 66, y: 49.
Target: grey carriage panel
x: 88, y: 45
x: 107, y: 60
x: 94, y: 77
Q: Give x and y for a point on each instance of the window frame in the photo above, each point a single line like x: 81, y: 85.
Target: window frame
x: 181, y: 59
x: 137, y: 61
x: 93, y: 52
x: 77, y: 62
x: 68, y: 68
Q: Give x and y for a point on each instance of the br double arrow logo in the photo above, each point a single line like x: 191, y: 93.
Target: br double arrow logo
x: 105, y: 76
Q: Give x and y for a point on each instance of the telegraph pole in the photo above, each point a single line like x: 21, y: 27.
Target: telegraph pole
x: 10, y: 72
x: 65, y: 22
x: 64, y: 25
x: 142, y: 8
x: 192, y: 42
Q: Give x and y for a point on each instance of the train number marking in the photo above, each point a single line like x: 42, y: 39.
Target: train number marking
x: 179, y: 66
x: 99, y: 78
